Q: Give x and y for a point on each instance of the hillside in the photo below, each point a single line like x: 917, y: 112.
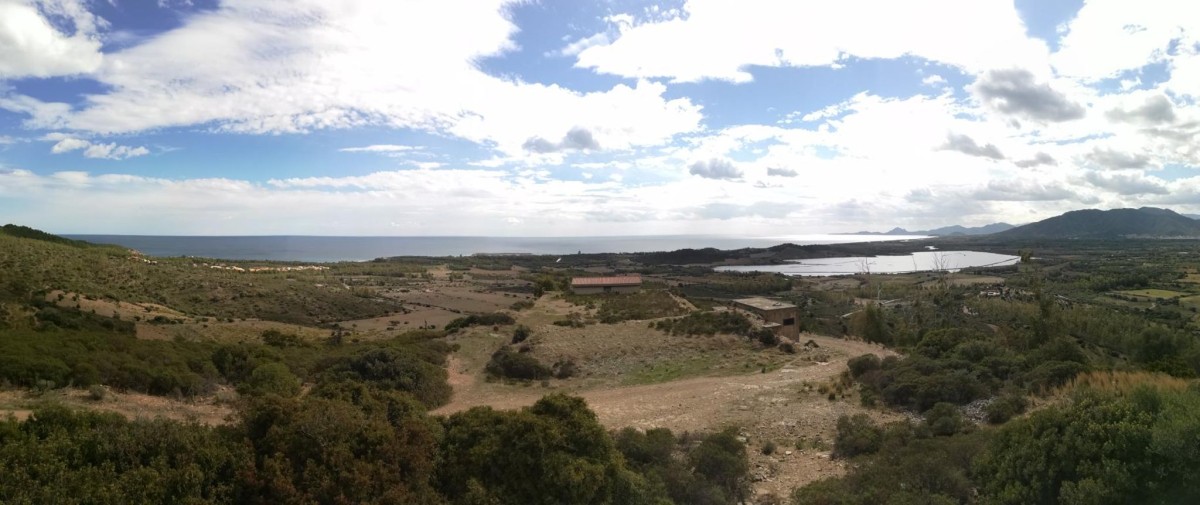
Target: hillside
x: 36, y: 262
x: 1145, y: 222
x: 18, y: 231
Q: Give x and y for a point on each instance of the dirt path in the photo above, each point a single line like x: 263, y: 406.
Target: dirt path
x: 766, y: 407
x: 689, y: 404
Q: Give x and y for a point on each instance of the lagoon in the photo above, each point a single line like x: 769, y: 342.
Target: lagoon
x: 924, y: 261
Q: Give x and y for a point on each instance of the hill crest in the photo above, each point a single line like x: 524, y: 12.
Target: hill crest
x: 1144, y: 222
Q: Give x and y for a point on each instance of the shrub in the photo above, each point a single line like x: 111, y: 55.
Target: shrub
x: 565, y: 369
x: 944, y: 419
x: 863, y: 364
x: 492, y: 319
x: 276, y: 338
x: 521, y: 305
x: 514, y: 365
x: 272, y: 378
x: 1004, y: 408
x: 856, y: 435
x: 766, y: 337
x: 520, y: 334
x: 768, y: 448
x: 97, y: 392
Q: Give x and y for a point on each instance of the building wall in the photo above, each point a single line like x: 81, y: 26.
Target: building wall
x: 788, y: 317
x: 595, y: 290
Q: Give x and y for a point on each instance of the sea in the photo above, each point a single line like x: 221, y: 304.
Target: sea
x: 325, y: 249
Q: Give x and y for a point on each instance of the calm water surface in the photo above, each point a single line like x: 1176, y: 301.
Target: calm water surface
x: 327, y: 249
x: 916, y: 262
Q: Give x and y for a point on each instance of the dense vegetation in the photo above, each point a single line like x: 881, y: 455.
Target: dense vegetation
x: 1136, y: 445
x: 352, y: 443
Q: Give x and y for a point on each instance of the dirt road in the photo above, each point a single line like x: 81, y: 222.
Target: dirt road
x: 689, y: 404
x: 765, y: 406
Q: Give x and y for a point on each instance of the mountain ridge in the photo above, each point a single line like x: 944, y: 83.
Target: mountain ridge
x: 956, y: 229
x: 1144, y: 222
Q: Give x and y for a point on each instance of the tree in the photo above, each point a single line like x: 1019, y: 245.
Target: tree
x: 272, y: 378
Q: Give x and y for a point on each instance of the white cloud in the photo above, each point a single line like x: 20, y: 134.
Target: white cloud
x: 720, y: 40
x: 68, y: 145
x: 1108, y: 37
x: 110, y: 151
x: 33, y: 47
x: 578, y: 46
x: 933, y: 80
x: 380, y: 148
x: 276, y: 66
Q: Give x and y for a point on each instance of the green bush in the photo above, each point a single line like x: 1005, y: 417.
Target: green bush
x: 856, y: 435
x: 520, y: 333
x: 862, y: 364
x: 1006, y: 407
x: 272, y: 378
x: 276, y: 338
x: 944, y: 419
x: 506, y: 363
x: 491, y: 319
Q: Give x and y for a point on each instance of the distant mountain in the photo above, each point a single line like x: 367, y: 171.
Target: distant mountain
x: 1193, y: 216
x: 1147, y: 222
x: 947, y: 230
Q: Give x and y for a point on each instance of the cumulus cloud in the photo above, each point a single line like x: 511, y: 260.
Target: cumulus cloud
x: 576, y: 139
x: 110, y: 151
x: 781, y: 172
x: 1109, y: 158
x: 1157, y: 109
x: 1127, y: 183
x: 33, y: 47
x: 1022, y: 191
x: 967, y: 145
x: 1038, y: 159
x: 68, y: 145
x: 722, y: 40
x: 1016, y: 92
x: 284, y: 66
x: 715, y: 168
x: 933, y: 80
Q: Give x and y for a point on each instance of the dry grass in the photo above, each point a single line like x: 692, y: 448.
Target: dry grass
x: 1120, y: 382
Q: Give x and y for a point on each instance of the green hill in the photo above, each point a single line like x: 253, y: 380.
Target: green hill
x: 1146, y: 222
x: 33, y: 263
x: 19, y: 231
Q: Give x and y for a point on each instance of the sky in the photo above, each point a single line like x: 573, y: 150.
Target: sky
x: 565, y: 118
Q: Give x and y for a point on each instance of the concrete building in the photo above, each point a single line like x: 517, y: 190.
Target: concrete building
x: 597, y: 285
x: 779, y: 317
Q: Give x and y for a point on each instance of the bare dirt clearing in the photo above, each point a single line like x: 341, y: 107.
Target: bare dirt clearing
x: 772, y: 406
x: 206, y: 410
